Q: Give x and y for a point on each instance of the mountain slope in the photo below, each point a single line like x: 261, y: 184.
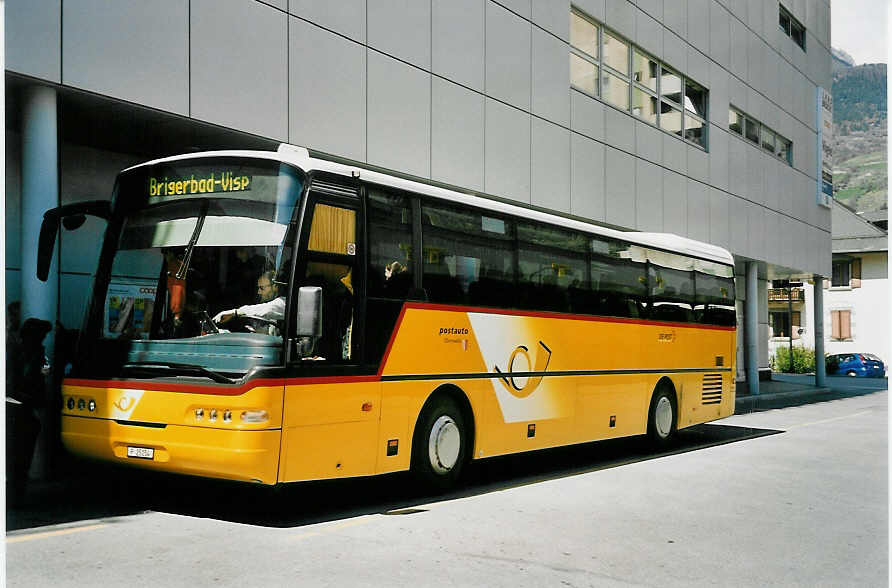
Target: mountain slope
x: 860, y: 175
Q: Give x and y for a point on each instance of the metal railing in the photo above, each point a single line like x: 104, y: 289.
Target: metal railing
x: 783, y: 295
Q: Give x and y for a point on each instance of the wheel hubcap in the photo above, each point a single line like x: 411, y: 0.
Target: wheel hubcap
x: 663, y: 417
x: 444, y: 444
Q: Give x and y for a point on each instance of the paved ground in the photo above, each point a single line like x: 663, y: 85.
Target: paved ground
x: 790, y: 496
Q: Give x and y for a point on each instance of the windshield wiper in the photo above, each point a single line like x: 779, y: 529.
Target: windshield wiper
x: 187, y: 258
x: 189, y: 369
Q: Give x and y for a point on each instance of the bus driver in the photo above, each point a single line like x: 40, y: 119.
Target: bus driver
x: 271, y: 306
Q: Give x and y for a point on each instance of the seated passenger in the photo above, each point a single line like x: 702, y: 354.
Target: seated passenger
x: 271, y: 306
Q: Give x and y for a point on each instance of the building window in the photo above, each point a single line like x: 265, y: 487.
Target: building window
x: 752, y: 130
x: 846, y: 273
x: 645, y: 75
x: 735, y: 121
x: 779, y: 322
x: 584, y: 44
x: 842, y: 271
x: 841, y: 321
x: 760, y: 135
x: 791, y: 27
x: 783, y: 149
x: 767, y: 139
x: 604, y: 65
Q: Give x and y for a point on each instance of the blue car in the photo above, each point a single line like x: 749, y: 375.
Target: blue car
x: 863, y: 365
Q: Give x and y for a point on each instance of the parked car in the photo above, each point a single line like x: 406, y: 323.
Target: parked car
x: 864, y: 365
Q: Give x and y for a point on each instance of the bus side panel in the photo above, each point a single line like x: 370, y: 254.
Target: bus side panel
x: 402, y: 406
x: 674, y: 347
x: 612, y: 406
x: 329, y: 430
x: 523, y: 411
x: 399, y: 402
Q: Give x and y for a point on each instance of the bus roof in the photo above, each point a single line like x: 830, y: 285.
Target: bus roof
x: 302, y: 158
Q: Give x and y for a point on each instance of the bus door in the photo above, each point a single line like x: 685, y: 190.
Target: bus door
x: 332, y: 401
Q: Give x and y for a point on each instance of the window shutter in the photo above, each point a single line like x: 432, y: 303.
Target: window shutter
x: 834, y: 320
x: 856, y: 273
x: 845, y: 324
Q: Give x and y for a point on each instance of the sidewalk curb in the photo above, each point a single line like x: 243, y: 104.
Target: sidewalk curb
x: 743, y: 401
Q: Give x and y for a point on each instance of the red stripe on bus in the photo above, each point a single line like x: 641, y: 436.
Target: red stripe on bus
x: 561, y: 315
x: 236, y: 391
x: 169, y: 387
x: 396, y: 329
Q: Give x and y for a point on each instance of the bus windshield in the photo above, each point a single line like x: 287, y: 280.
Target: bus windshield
x: 202, y: 265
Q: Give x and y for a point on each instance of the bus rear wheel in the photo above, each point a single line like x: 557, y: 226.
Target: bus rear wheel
x: 661, y: 417
x: 440, y: 446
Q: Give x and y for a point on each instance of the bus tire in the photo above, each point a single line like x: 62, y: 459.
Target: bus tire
x: 440, y: 446
x: 662, y: 416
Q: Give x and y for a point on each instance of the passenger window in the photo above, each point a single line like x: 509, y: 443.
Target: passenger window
x: 714, y: 300
x: 467, y: 257
x: 390, y: 245
x: 551, y: 265
x: 618, y: 279
x: 671, y: 294
x: 391, y: 266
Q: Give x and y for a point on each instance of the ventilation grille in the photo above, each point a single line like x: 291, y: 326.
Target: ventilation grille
x: 333, y: 189
x: 712, y: 388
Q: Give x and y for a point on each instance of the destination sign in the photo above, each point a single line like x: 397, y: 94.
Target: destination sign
x: 225, y: 181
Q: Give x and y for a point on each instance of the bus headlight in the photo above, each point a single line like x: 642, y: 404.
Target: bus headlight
x: 255, y: 416
x: 91, y: 406
x: 70, y: 403
x: 81, y: 404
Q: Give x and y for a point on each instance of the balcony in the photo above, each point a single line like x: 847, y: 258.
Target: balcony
x: 783, y: 295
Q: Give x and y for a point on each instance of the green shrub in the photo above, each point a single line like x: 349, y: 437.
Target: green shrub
x: 803, y: 360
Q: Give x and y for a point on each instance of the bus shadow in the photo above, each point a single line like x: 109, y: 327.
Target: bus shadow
x: 106, y: 492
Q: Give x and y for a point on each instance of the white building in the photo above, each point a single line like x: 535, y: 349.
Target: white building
x: 856, y: 297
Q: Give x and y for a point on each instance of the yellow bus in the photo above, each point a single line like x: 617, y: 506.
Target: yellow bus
x: 279, y: 317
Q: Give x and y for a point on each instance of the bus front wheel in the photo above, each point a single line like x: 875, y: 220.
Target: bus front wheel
x: 440, y: 445
x: 662, y: 416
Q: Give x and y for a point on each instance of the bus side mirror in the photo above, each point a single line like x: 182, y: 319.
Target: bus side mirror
x: 45, y: 245
x: 74, y: 221
x: 73, y: 217
x: 309, y: 319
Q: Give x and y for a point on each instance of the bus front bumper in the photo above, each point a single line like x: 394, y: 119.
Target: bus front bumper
x: 248, y: 456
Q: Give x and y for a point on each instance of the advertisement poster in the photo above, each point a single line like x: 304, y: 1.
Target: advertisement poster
x: 825, y: 147
x: 128, y: 309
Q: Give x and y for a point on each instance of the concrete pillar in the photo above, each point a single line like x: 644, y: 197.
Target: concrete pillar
x: 751, y: 327
x: 820, y: 368
x: 40, y: 191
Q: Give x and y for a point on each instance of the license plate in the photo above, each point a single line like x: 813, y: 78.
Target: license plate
x: 141, y: 452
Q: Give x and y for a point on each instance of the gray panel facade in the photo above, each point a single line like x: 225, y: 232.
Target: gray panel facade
x: 245, y: 46
x: 134, y: 50
x: 477, y: 93
x: 33, y: 45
